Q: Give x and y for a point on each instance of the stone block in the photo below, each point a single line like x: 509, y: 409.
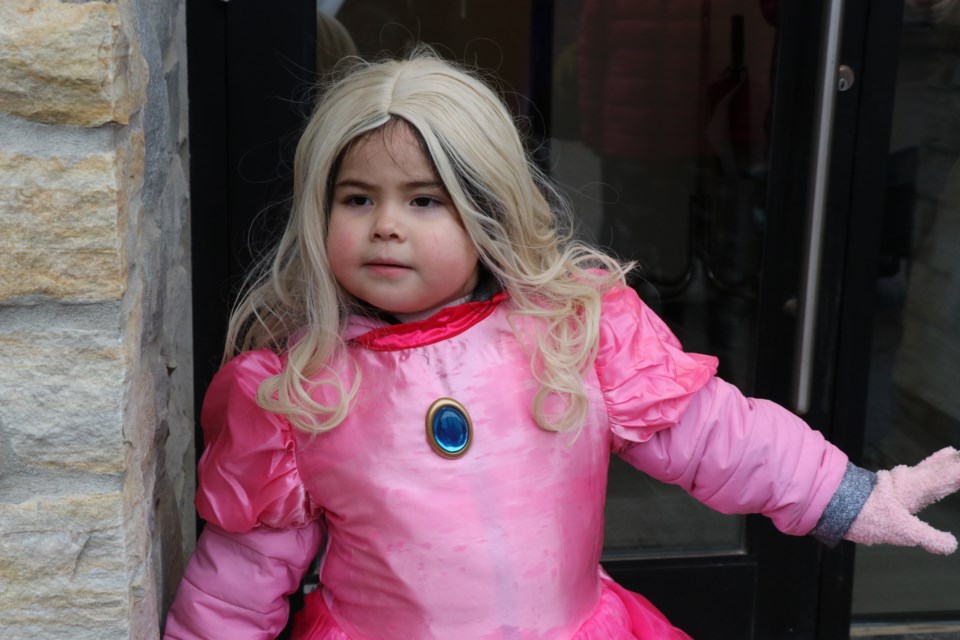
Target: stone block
x: 62, y: 567
x: 69, y: 63
x: 61, y: 397
x: 62, y: 222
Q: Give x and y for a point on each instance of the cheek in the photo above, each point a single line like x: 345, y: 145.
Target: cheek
x: 465, y: 246
x: 341, y: 246
x: 456, y: 251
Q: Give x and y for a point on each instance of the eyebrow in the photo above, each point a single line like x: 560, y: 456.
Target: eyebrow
x: 414, y: 184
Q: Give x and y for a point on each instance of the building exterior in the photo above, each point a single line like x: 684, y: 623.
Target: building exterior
x: 96, y: 396
x: 127, y: 201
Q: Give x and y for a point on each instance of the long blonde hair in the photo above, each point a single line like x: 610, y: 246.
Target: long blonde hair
x: 516, y: 219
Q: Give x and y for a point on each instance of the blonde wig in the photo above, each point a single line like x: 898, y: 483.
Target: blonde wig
x: 515, y: 218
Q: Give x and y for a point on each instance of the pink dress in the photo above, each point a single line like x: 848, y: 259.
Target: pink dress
x: 503, y: 542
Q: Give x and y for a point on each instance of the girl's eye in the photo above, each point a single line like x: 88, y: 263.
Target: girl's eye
x: 425, y: 201
x: 357, y: 201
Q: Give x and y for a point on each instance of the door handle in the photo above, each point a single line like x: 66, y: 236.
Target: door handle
x: 816, y: 209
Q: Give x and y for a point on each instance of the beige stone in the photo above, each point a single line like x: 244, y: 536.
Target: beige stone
x: 62, y: 223
x: 81, y: 275
x: 90, y: 546
x: 62, y: 567
x: 69, y: 63
x: 61, y: 395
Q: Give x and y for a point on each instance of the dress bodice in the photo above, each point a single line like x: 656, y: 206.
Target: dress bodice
x: 424, y: 546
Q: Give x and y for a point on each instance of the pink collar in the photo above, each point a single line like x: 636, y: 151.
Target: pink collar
x: 446, y: 323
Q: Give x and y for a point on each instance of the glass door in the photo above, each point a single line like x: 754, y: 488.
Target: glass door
x: 684, y: 133
x: 912, y: 407
x: 659, y: 133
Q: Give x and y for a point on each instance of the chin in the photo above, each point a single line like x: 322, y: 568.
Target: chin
x: 394, y: 307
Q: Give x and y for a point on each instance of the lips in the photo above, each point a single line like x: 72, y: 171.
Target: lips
x: 390, y: 262
x: 386, y: 267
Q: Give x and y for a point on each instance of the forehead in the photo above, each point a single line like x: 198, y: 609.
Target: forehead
x: 394, y: 145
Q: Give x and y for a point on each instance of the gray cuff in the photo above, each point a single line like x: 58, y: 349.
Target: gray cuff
x: 845, y: 505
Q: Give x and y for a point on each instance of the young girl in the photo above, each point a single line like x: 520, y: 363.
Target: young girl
x: 428, y: 381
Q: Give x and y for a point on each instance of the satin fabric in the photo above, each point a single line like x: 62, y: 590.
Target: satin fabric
x: 504, y: 542
x: 619, y: 615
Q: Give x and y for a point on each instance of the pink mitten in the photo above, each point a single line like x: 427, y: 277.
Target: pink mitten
x: 887, y: 516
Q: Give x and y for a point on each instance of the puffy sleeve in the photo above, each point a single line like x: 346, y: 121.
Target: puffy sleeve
x: 248, y: 473
x: 673, y: 419
x: 646, y: 378
x: 745, y: 455
x: 262, y: 529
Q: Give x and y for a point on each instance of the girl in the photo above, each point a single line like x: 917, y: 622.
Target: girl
x: 428, y: 381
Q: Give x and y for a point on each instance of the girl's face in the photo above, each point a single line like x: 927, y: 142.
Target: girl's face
x: 394, y: 238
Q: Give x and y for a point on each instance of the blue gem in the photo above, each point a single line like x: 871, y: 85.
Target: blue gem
x: 448, y: 428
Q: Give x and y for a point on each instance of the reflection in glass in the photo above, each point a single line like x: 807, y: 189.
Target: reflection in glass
x: 491, y: 35
x: 660, y: 123
x: 333, y: 40
x: 913, y: 405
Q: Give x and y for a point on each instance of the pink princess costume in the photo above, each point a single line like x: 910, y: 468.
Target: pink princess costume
x: 503, y: 541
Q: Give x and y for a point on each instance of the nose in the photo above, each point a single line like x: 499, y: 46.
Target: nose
x: 386, y: 223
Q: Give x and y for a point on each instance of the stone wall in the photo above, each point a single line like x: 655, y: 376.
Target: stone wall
x: 96, y: 457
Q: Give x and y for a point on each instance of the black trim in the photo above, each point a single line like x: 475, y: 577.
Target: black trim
x: 206, y: 71
x: 721, y: 608
x: 871, y: 121
x: 244, y: 122
x: 787, y: 578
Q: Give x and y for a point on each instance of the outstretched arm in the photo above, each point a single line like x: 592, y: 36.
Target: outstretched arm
x: 236, y: 584
x: 674, y: 420
x: 743, y: 455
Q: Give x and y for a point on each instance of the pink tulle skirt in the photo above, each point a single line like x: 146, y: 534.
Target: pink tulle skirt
x: 620, y: 615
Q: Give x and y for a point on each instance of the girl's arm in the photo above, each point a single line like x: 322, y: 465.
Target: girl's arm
x: 263, y: 530
x: 745, y: 455
x: 236, y: 584
x: 673, y: 419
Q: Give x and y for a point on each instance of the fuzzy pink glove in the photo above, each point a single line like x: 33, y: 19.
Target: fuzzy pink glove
x: 887, y: 516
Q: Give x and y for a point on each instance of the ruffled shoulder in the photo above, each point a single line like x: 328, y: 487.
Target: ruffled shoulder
x: 647, y: 379
x: 248, y: 473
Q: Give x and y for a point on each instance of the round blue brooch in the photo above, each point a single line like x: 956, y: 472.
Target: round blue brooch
x: 449, y: 430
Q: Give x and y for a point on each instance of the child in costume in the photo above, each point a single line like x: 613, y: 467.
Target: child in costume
x: 428, y: 380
